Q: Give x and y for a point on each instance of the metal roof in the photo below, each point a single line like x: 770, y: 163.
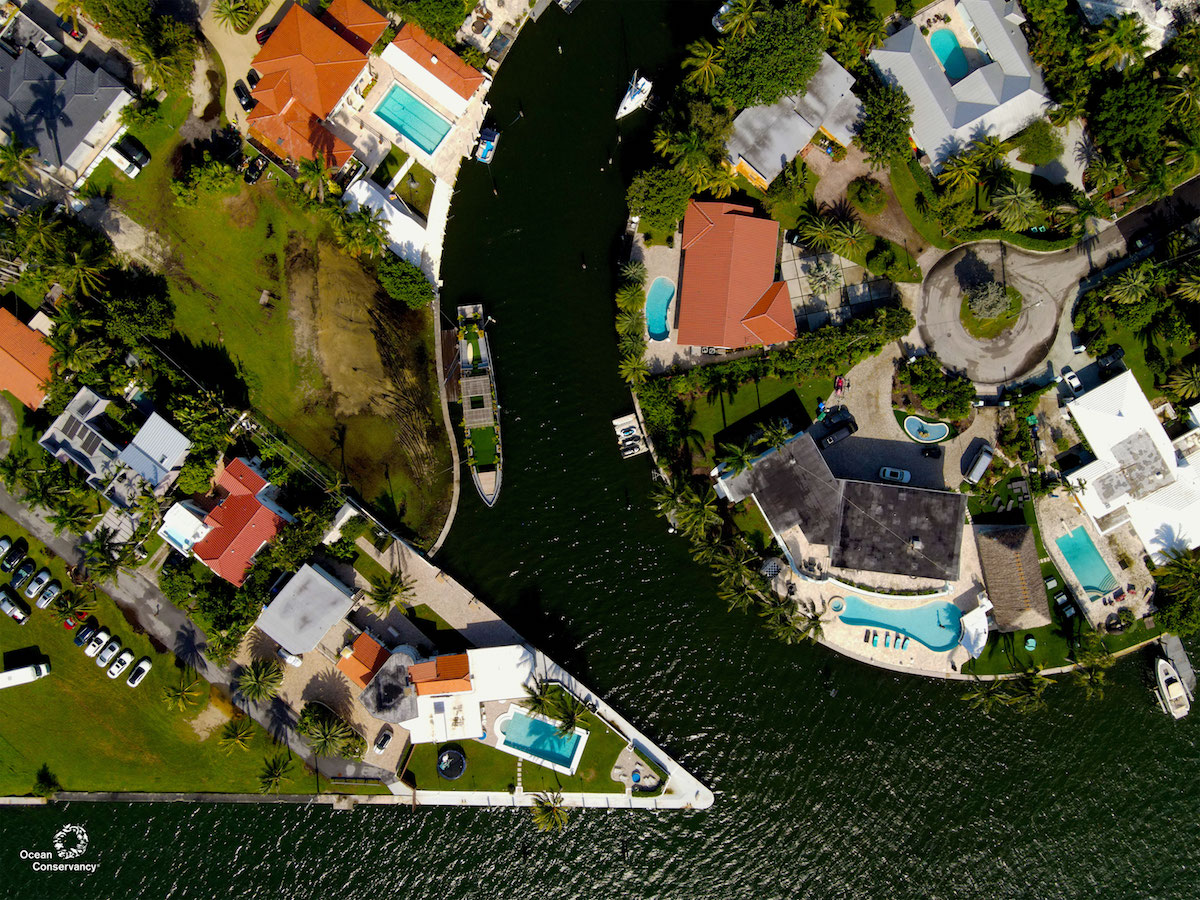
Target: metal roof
x: 311, y: 603
x: 156, y: 450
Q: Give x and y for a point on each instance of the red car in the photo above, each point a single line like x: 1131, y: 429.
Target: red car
x: 263, y: 34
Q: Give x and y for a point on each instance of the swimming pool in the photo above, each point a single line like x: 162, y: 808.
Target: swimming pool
x: 412, y: 118
x: 945, y: 44
x: 658, y: 301
x: 936, y: 625
x: 536, y: 739
x: 1086, y: 562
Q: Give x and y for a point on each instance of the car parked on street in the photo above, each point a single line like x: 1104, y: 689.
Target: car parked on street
x: 110, y: 650
x: 898, y: 476
x: 120, y: 664
x: 15, y: 556
x: 49, y: 594
x: 86, y: 633
x: 99, y: 639
x: 23, y: 574
x: 12, y: 606
x: 39, y: 581
x: 139, y: 672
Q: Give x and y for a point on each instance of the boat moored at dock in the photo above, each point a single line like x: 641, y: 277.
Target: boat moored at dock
x: 636, y: 96
x: 481, y: 412
x: 1172, y: 695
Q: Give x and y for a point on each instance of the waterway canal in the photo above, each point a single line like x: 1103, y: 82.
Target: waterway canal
x: 832, y: 779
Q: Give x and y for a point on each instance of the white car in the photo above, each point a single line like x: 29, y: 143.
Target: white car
x: 139, y: 672
x: 718, y: 21
x: 1072, y: 380
x: 899, y: 476
x: 98, y: 640
x: 120, y: 664
x: 109, y: 651
x: 39, y: 581
x: 52, y: 590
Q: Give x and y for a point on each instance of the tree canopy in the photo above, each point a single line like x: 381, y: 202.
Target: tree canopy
x: 404, y: 282
x: 777, y: 59
x: 882, y: 132
x: 659, y: 196
x: 1130, y: 118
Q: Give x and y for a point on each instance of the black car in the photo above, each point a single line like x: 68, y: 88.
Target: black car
x: 131, y: 148
x: 87, y: 632
x: 263, y: 34
x: 14, y: 556
x: 23, y: 574
x: 74, y: 29
x: 252, y: 79
x: 243, y: 95
x: 931, y: 452
x: 840, y: 433
x: 254, y: 171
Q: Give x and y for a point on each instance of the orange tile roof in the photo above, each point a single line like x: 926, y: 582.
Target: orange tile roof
x: 439, y: 60
x: 728, y: 296
x: 24, y: 360
x: 356, y: 23
x: 322, y: 65
x: 239, y: 478
x: 240, y: 525
x: 443, y: 675
x: 447, y: 686
x: 367, y: 659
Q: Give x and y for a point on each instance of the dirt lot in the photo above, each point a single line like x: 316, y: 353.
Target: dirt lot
x: 345, y: 341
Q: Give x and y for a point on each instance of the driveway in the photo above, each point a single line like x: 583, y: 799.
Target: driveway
x: 235, y: 52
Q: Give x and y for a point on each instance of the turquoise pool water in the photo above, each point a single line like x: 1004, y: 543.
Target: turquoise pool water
x: 933, y: 431
x: 1086, y: 562
x: 412, y: 118
x: 538, y: 738
x: 658, y: 301
x: 949, y: 53
x: 936, y: 625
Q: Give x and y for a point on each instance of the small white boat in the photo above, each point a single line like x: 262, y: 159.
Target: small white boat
x: 485, y: 150
x: 1172, y: 695
x: 635, y: 97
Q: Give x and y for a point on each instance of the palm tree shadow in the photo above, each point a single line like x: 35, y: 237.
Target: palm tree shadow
x: 189, y: 646
x: 281, y: 719
x: 330, y: 688
x: 261, y: 646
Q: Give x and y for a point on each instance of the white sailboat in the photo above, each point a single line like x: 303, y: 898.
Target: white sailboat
x: 1171, y: 693
x: 636, y: 96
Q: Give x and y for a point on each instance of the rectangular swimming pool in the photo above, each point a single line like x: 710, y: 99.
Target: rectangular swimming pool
x: 412, y: 118
x: 1086, y: 562
x: 536, y: 739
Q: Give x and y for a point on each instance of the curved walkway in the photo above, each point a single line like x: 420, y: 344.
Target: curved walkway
x: 439, y: 368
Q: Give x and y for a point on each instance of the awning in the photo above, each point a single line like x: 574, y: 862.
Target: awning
x: 975, y: 627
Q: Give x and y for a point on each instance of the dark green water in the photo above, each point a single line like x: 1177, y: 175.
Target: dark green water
x: 832, y: 779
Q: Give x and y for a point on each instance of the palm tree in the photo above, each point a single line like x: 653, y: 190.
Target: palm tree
x: 72, y: 605
x: 1186, y: 382
x: 72, y: 514
x: 233, y: 14
x: 569, y: 710
x: 722, y: 182
x: 73, y: 352
x: 775, y: 434
x: 1133, y: 285
x: 1119, y: 41
x: 275, y: 769
x: 539, y: 699
x: 1092, y: 681
x: 1184, y: 96
x: 849, y: 238
x: 810, y: 624
x: 631, y: 298
x: 80, y: 274
x: 630, y: 323
x: 782, y: 622
x: 1104, y: 172
x: 742, y: 18
x: 260, y: 680
x: 698, y: 513
x: 705, y: 62
x: 15, y: 468
x: 159, y: 69
x: 987, y: 150
x: 315, y: 177
x: 987, y: 696
x: 388, y: 589
x: 548, y: 811
x: 16, y: 160
x: 1031, y: 690
x: 237, y: 734
x: 634, y: 369
x: 668, y: 496
x: 1180, y: 573
x: 634, y: 272
x: 871, y: 34
x: 328, y: 736
x: 818, y: 232
x: 832, y: 16
x: 38, y: 231
x: 1188, y: 286
x: 1016, y: 206
x: 103, y: 554
x: 43, y: 488
x: 960, y: 172
x: 737, y: 458
x: 182, y: 695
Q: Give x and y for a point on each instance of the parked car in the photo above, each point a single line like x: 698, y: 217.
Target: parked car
x: 99, y: 639
x: 381, y: 742
x: 139, y: 672
x: 120, y: 664
x: 49, y: 595
x: 14, y: 556
x: 5, y: 545
x: 980, y: 464
x: 290, y: 658
x: 840, y: 433
x: 133, y: 150
x: 254, y: 171
x: 1077, y: 343
x: 12, y: 606
x: 263, y: 34
x: 39, y: 581
x: 23, y: 574
x: 252, y: 79
x: 899, y: 476
x: 110, y: 650
x: 1072, y: 380
x: 243, y: 95
x: 86, y: 633
x: 931, y: 452
x: 74, y: 29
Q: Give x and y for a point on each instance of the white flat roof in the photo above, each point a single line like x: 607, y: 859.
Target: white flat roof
x: 311, y: 603
x: 405, y: 235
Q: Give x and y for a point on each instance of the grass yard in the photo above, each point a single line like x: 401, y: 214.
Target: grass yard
x: 445, y: 638
x: 369, y: 569
x: 904, y: 184
x: 420, y: 196
x: 987, y: 329
x: 392, y: 163
x: 753, y: 526
x: 96, y: 733
x: 483, y: 446
x: 1135, y: 352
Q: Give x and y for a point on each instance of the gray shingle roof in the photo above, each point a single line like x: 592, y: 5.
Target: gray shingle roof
x: 49, y: 111
x: 901, y: 530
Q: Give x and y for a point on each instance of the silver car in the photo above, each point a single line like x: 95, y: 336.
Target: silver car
x: 109, y: 651
x: 120, y: 664
x: 99, y: 639
x: 51, y: 591
x: 39, y: 581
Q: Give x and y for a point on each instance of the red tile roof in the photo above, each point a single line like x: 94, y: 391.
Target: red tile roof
x: 443, y: 675
x: 241, y: 525
x: 306, y: 67
x: 367, y: 659
x: 24, y: 360
x: 439, y: 60
x: 728, y: 296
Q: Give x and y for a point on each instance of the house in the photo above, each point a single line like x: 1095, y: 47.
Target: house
x: 363, y: 659
x: 24, y: 361
x: 766, y: 138
x: 1157, y: 15
x: 229, y: 536
x: 311, y: 603
x: 1140, y: 477
x: 978, y: 81
x: 68, y: 118
x: 856, y: 525
x: 308, y: 68
x: 156, y: 453
x: 84, y: 434
x: 1009, y: 557
x: 436, y: 72
x: 728, y: 295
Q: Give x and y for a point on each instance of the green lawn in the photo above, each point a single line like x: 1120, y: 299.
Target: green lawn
x: 483, y: 446
x: 712, y: 415
x: 391, y: 164
x: 987, y: 329
x: 904, y: 184
x: 418, y: 197
x: 96, y: 733
x: 750, y: 522
x: 1135, y: 352
x: 369, y: 569
x: 445, y: 638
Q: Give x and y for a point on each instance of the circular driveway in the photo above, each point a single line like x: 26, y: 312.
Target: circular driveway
x: 1046, y: 281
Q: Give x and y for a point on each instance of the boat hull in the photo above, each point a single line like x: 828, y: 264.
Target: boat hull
x: 1171, y: 694
x: 481, y: 410
x: 635, y: 98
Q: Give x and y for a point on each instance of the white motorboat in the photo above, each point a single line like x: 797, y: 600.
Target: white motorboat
x: 636, y: 96
x: 1172, y: 695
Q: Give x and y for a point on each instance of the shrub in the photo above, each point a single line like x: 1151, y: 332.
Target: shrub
x: 195, y: 476
x: 939, y: 391
x: 404, y: 282
x: 1040, y: 144
x: 472, y: 56
x: 987, y: 301
x: 439, y: 18
x: 776, y: 60
x: 839, y: 153
x: 867, y: 195
x: 789, y: 187
x: 141, y: 114
x: 659, y: 197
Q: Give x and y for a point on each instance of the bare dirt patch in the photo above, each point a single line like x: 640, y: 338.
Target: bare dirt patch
x: 300, y: 269
x: 242, y: 209
x: 835, y: 177
x: 209, y: 720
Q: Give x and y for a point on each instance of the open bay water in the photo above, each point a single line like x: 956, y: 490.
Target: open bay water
x: 833, y: 779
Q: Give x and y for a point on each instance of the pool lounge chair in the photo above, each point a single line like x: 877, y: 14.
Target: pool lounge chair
x: 875, y: 640
x: 866, y: 635
x: 904, y: 646
x: 887, y: 639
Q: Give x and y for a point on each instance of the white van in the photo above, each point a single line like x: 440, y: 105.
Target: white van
x: 123, y: 163
x: 24, y: 674
x: 979, y: 467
